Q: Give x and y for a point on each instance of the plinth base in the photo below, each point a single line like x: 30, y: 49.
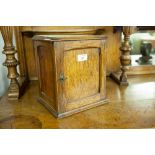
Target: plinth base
x: 16, y: 90
x: 116, y: 77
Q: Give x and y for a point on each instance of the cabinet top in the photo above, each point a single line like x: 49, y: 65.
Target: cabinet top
x: 68, y: 37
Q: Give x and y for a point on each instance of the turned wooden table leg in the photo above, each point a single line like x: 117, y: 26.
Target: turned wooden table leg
x: 10, y: 62
x: 125, y: 58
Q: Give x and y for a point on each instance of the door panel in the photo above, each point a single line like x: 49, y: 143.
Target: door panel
x: 81, y: 69
x: 81, y: 72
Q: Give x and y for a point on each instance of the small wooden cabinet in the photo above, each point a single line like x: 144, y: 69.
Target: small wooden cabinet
x: 71, y: 72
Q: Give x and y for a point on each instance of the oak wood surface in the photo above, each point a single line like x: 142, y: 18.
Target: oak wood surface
x: 25, y: 34
x: 141, y: 70
x: 125, y: 58
x: 65, y: 81
x: 87, y: 71
x: 113, y: 43
x: 21, y: 52
x: 113, y: 53
x: 11, y: 62
x: 46, y: 73
x: 61, y: 29
x: 129, y: 107
x: 30, y: 57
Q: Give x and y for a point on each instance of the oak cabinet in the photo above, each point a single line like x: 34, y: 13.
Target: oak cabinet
x: 71, y: 71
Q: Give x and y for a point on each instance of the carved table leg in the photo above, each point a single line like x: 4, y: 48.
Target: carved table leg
x: 11, y: 63
x: 125, y: 58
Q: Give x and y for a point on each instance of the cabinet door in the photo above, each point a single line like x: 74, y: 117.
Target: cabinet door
x: 83, y: 72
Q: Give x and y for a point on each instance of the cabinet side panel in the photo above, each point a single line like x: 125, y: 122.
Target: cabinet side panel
x: 46, y: 72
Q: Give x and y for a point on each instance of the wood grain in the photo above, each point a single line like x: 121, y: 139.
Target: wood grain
x: 25, y: 34
x: 11, y: 62
x: 82, y: 77
x: 113, y: 53
x: 46, y: 73
x: 130, y: 107
x: 65, y: 81
x: 113, y: 43
x: 30, y: 58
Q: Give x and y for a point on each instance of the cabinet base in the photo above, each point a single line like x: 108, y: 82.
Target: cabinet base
x: 69, y: 113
